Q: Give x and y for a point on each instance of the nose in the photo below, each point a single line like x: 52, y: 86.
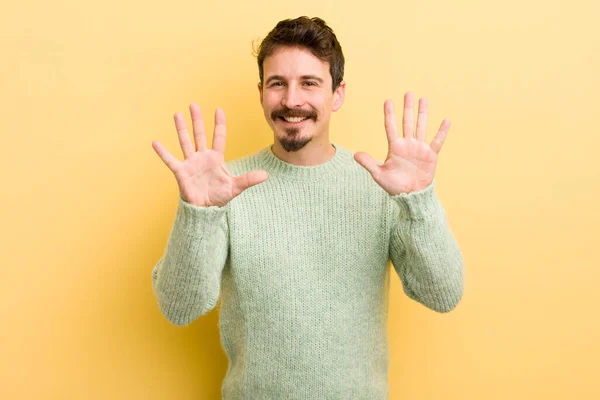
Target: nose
x: 292, y: 97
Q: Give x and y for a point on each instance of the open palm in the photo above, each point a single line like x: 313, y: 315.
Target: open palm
x: 202, y: 177
x: 410, y: 163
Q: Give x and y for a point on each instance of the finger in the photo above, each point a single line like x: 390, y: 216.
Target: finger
x: 369, y: 163
x: 243, y: 182
x: 407, y: 117
x: 422, y: 120
x: 164, y: 154
x: 220, y: 131
x: 438, y: 141
x: 198, y: 124
x: 391, y: 129
x: 184, y: 136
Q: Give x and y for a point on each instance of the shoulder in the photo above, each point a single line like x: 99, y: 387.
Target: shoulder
x: 357, y: 171
x: 244, y: 164
x: 361, y: 180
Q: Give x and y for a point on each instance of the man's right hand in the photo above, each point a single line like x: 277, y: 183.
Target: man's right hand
x: 202, y: 177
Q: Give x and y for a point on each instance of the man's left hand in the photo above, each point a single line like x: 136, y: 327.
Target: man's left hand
x: 410, y: 163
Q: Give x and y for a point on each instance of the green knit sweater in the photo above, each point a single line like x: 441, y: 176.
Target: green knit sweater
x: 300, y: 264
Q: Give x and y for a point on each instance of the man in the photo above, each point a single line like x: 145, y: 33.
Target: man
x: 296, y: 237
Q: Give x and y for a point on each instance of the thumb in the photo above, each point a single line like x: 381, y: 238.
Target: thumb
x: 368, y: 163
x: 247, y: 180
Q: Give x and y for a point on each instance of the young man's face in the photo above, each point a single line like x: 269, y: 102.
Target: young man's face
x: 298, y: 87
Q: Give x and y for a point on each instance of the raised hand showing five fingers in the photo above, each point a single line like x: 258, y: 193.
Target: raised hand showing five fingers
x: 202, y: 177
x: 410, y: 163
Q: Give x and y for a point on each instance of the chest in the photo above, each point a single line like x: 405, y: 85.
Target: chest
x: 301, y: 239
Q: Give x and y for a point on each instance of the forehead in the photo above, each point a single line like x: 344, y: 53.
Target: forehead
x: 294, y: 62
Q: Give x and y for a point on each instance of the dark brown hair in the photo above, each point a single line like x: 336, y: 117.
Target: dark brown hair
x: 309, y: 33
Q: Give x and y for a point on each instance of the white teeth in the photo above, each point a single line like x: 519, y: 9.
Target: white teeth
x: 297, y: 119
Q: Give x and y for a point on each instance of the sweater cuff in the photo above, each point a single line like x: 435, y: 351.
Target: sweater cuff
x: 197, y: 217
x: 420, y: 204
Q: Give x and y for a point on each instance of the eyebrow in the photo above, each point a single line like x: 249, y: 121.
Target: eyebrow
x: 281, y: 78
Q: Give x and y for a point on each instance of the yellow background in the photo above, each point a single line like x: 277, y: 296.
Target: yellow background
x: 87, y: 205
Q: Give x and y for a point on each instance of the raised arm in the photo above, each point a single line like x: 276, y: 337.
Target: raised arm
x: 424, y: 251
x: 422, y: 247
x: 186, y: 279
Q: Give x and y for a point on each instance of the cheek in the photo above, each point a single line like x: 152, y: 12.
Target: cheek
x: 270, y: 99
x: 321, y: 102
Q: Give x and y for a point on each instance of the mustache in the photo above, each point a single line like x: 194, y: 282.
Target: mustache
x: 291, y: 113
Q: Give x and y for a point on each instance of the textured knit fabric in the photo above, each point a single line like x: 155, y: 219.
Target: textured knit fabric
x: 300, y: 264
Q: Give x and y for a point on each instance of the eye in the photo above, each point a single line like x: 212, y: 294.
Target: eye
x: 310, y: 83
x: 277, y: 84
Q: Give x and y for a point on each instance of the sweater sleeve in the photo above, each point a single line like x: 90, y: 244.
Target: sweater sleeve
x: 186, y: 280
x: 424, y: 252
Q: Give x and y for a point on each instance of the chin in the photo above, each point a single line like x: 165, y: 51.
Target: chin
x: 292, y: 143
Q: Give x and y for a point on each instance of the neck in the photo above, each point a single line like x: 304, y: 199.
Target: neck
x: 314, y: 153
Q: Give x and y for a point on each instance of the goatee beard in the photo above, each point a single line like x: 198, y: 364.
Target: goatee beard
x: 291, y: 143
x: 292, y: 140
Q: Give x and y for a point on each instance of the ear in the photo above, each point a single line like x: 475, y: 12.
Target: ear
x: 260, y: 91
x: 338, y: 96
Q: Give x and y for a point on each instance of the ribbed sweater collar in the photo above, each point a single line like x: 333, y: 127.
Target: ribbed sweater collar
x: 277, y: 167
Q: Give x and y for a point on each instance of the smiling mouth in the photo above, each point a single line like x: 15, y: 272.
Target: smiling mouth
x: 293, y: 120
